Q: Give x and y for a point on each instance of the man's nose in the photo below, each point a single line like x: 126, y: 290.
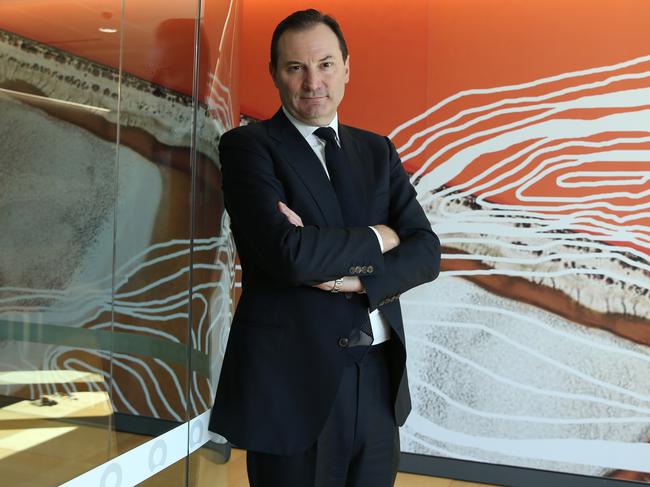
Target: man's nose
x: 311, y: 81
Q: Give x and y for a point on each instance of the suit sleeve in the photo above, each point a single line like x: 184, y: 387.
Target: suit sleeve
x: 417, y: 259
x: 295, y: 255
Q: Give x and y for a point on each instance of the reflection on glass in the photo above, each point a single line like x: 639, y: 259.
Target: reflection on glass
x: 115, y: 298
x: 57, y: 185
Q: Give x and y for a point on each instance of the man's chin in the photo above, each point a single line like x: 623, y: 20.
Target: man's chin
x: 316, y: 117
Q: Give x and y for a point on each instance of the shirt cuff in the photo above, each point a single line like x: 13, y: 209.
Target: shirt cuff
x: 381, y: 243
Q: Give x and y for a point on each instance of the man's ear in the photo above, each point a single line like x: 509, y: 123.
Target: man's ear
x: 347, y: 69
x: 272, y: 73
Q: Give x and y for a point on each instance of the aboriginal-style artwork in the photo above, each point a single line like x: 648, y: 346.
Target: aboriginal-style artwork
x: 526, y: 132
x: 532, y: 348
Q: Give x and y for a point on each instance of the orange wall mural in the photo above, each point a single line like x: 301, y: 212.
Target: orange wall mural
x: 525, y: 127
x: 407, y: 56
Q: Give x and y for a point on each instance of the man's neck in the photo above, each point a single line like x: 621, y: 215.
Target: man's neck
x: 309, y: 128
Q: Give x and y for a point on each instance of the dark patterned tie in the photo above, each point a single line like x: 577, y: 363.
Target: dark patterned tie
x: 345, y: 184
x: 351, y: 203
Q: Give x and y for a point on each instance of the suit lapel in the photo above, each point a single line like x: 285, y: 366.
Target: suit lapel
x: 361, y: 168
x: 297, y: 152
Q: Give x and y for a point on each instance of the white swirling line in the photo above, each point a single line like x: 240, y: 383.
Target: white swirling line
x: 581, y: 222
x: 76, y: 293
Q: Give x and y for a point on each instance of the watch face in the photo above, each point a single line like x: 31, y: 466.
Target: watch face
x: 337, y: 285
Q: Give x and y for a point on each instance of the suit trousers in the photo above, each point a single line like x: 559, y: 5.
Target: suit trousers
x: 359, y: 444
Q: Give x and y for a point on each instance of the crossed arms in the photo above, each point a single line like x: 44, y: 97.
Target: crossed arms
x: 351, y: 284
x: 306, y: 255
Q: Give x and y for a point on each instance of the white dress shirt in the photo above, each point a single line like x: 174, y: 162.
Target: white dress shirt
x: 380, y: 327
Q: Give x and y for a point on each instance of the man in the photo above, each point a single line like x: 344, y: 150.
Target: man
x: 329, y: 233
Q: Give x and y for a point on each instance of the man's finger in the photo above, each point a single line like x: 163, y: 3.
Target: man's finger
x: 291, y: 215
x: 325, y: 286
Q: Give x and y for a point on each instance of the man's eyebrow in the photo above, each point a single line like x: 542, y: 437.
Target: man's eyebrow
x: 326, y: 58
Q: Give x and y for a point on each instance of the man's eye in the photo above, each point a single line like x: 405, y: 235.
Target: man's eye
x: 327, y: 65
x: 295, y: 68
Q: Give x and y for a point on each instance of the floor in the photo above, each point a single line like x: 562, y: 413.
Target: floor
x: 38, y: 450
x: 77, y: 451
x: 237, y: 476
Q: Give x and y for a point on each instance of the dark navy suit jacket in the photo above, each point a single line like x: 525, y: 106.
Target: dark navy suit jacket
x: 285, y: 353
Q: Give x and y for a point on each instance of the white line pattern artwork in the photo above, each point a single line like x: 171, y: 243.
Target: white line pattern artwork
x: 540, y: 194
x: 154, y: 385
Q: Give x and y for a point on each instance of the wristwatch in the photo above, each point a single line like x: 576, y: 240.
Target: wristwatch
x: 337, y: 285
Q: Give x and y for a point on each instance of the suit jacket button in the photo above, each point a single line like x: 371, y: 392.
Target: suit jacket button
x: 351, y: 270
x: 343, y: 342
x: 357, y: 270
x: 364, y: 269
x: 370, y: 269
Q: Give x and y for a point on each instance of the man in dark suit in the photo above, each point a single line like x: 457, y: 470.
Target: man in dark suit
x: 329, y: 234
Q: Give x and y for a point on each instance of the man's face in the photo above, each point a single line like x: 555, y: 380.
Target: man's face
x: 311, y: 74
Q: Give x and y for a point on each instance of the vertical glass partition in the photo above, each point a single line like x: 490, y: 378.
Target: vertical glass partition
x: 213, y: 265
x: 115, y: 275
x: 58, y: 173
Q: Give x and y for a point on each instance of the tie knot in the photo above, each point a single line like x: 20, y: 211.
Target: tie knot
x: 327, y: 134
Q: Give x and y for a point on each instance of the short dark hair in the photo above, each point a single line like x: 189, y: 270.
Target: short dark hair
x: 303, y: 20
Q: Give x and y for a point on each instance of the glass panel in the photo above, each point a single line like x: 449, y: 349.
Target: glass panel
x: 213, y: 256
x: 121, y: 265
x: 151, y: 333
x: 213, y: 250
x: 59, y: 102
x: 208, y: 468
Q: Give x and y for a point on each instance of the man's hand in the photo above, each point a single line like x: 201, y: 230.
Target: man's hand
x: 351, y: 284
x: 291, y: 215
x: 388, y: 237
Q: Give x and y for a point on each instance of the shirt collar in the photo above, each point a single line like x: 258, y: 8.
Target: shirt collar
x: 307, y: 130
